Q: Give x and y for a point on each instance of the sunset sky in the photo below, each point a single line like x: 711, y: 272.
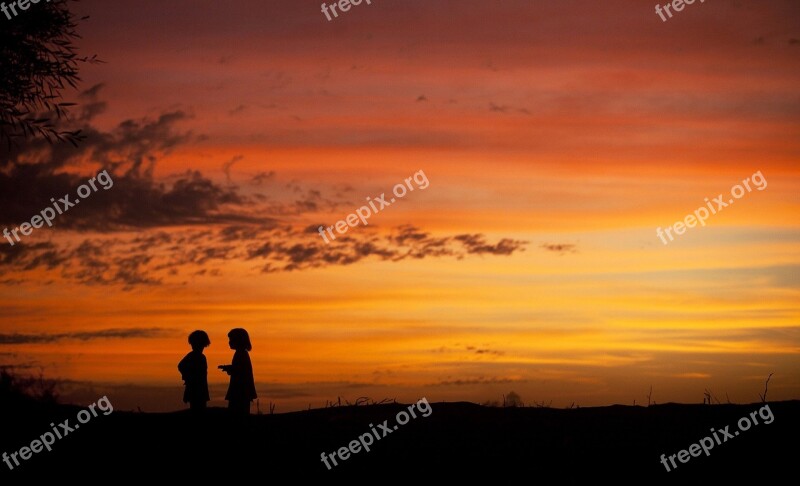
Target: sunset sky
x: 556, y: 137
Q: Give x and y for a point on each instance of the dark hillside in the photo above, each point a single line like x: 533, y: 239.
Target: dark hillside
x: 456, y: 440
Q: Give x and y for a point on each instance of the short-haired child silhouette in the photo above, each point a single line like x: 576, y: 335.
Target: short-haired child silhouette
x: 194, y: 371
x: 242, y: 389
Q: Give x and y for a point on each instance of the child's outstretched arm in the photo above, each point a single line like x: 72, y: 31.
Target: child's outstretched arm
x: 239, y: 365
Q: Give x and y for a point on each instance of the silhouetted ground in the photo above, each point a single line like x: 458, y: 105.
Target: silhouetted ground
x: 458, y: 441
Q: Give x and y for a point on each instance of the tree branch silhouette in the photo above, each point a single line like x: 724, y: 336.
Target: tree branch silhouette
x: 38, y: 60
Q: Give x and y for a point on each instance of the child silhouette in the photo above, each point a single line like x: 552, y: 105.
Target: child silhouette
x: 194, y: 372
x: 242, y: 389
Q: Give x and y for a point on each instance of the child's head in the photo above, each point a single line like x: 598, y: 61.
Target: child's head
x: 199, y: 340
x: 239, y: 339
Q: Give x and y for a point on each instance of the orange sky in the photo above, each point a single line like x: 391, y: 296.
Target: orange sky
x: 556, y: 138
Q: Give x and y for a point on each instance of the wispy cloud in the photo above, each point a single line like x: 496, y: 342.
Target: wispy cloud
x: 559, y: 247
x: 187, y: 223
x: 129, y: 333
x: 478, y: 381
